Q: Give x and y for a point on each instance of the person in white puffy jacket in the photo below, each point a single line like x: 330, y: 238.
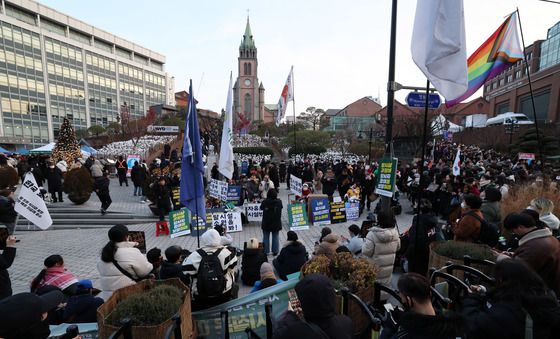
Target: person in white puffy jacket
x: 121, y: 263
x: 545, y: 207
x: 381, y: 245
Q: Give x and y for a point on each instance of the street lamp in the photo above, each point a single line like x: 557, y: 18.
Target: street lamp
x: 511, y: 126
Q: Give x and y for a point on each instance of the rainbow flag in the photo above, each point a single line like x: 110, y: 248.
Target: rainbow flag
x: 501, y: 50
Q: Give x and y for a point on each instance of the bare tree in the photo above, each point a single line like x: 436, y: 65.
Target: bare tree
x: 311, y: 117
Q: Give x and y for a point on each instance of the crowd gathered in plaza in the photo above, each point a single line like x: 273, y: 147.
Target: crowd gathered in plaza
x: 462, y: 207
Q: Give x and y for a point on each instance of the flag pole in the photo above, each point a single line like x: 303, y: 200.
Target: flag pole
x: 294, y: 107
x: 530, y: 90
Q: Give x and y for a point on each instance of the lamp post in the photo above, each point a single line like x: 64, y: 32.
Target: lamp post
x: 511, y: 128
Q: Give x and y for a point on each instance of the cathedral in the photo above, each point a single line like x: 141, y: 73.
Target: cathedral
x: 248, y: 92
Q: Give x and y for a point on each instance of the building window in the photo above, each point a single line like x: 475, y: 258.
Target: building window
x: 245, y: 68
x: 248, y: 105
x: 249, y: 68
x: 501, y: 82
x: 517, y: 74
x: 509, y: 78
x: 542, y: 101
x: 502, y: 107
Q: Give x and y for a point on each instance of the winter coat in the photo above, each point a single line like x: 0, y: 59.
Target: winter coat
x: 497, y: 319
x: 96, y: 169
x: 380, y: 248
x: 491, y: 212
x: 318, y: 303
x: 137, y: 175
x: 59, y: 277
x: 418, y: 250
x: 130, y: 259
x: 551, y: 221
x: 162, y: 195
x: 101, y: 185
x: 328, y: 246
x: 81, y: 309
x: 62, y: 166
x: 329, y: 185
x: 6, y: 259
x: 251, y: 265
x: 122, y: 167
x: 7, y: 211
x: 272, y: 215
x: 355, y: 244
x: 20, y: 317
x: 413, y: 325
x: 468, y: 227
x: 541, y: 251
x: 290, y: 260
x: 54, y: 179
x: 170, y: 270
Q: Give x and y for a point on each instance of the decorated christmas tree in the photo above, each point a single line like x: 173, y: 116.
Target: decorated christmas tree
x: 66, y: 147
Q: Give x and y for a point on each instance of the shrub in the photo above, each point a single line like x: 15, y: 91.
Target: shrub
x: 253, y: 150
x: 458, y: 249
x: 307, y: 149
x: 150, y: 308
x: 78, y: 184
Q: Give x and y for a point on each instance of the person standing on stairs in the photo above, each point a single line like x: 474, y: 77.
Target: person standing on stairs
x: 162, y: 194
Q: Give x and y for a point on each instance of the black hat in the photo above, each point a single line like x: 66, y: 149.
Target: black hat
x: 24, y: 309
x: 118, y: 233
x: 292, y: 236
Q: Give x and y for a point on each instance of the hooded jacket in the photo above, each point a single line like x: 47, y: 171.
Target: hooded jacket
x: 292, y: 256
x: 81, y: 309
x: 96, y: 169
x: 211, y: 242
x: 440, y: 326
x: 251, y: 264
x: 380, y: 248
x: 468, y: 228
x: 318, y: 303
x: 272, y: 215
x: 328, y: 246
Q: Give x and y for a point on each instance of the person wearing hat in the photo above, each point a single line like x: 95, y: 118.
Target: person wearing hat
x: 268, y: 278
x: 122, y: 264
x: 251, y: 261
x: 291, y: 258
x: 82, y: 307
x: 24, y: 315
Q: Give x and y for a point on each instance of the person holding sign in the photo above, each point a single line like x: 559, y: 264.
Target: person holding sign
x: 271, y: 221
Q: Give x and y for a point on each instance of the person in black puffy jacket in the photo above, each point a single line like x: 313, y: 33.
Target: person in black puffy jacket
x: 101, y: 187
x: 82, y: 308
x: 292, y: 256
x: 271, y: 221
x: 251, y: 261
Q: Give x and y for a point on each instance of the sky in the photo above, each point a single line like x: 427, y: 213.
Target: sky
x: 339, y: 49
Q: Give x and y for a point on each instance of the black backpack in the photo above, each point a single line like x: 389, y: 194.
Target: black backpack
x: 489, y: 232
x: 210, y: 280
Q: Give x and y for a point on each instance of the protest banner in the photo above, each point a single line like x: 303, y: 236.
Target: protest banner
x: 297, y: 217
x: 386, y: 183
x: 218, y: 189
x: 338, y: 212
x: 233, y: 222
x: 245, y: 312
x: 30, y: 203
x: 175, y: 197
x: 215, y: 217
x: 526, y: 156
x: 253, y: 212
x: 296, y: 185
x: 320, y: 211
x: 179, y: 222
x: 234, y: 194
x: 352, y: 210
x: 199, y: 227
x: 130, y: 159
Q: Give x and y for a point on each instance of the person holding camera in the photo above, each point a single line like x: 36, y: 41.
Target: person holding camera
x: 6, y: 260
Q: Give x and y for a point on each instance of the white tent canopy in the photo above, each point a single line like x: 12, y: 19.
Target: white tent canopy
x: 440, y: 124
x: 47, y: 149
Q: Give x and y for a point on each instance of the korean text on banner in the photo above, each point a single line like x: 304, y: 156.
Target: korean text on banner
x: 320, y: 211
x: 179, y: 222
x: 296, y: 185
x: 297, y: 217
x: 218, y: 189
x: 352, y: 210
x: 234, y: 194
x: 338, y: 212
x: 30, y: 203
x: 387, y: 173
x: 253, y: 212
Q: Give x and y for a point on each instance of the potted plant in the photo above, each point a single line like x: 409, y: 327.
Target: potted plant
x: 442, y: 252
x: 78, y: 184
x: 150, y: 305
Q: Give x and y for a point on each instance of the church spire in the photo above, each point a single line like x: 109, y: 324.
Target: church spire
x: 247, y: 42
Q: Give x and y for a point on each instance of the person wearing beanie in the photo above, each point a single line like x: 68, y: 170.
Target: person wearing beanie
x: 268, y: 278
x: 211, y: 245
x: 82, y: 307
x: 122, y: 264
x: 252, y: 259
x: 317, y: 297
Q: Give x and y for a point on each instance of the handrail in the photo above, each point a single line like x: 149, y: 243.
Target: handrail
x: 346, y: 294
x: 224, y: 316
x: 175, y: 328
x: 378, y: 288
x: 125, y: 330
x: 470, y: 270
x: 467, y: 260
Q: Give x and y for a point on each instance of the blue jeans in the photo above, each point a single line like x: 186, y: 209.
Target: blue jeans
x: 138, y: 190
x: 266, y: 241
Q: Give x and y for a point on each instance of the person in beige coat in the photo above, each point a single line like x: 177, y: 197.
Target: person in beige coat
x: 381, y: 245
x: 328, y: 245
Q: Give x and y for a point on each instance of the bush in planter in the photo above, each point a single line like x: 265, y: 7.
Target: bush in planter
x: 78, y: 184
x: 150, y: 308
x: 458, y: 249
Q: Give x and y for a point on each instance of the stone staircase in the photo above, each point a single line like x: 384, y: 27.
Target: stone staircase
x: 79, y: 218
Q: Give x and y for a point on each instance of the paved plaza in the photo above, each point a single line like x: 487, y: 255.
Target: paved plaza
x: 81, y: 248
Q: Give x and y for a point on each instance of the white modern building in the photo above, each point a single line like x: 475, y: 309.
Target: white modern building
x: 54, y: 66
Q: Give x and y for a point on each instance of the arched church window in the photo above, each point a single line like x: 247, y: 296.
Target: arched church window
x: 249, y: 68
x: 244, y: 68
x: 248, y: 105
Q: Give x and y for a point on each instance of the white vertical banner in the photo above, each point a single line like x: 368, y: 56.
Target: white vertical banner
x: 30, y: 203
x: 225, y: 163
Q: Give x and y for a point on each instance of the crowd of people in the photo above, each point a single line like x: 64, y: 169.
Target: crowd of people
x: 143, y: 146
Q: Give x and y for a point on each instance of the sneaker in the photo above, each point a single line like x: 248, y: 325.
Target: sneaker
x: 102, y: 211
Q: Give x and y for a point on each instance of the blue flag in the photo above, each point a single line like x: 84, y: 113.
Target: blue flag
x: 192, y: 168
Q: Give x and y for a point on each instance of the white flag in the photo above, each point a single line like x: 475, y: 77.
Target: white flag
x: 438, y: 45
x: 30, y: 203
x: 457, y: 163
x: 286, y: 96
x: 225, y: 164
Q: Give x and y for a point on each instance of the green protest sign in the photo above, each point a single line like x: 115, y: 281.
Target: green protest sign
x: 386, y: 178
x: 297, y: 217
x: 179, y: 222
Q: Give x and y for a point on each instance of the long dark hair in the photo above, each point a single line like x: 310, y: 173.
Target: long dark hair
x: 517, y: 282
x: 49, y: 262
x: 117, y: 233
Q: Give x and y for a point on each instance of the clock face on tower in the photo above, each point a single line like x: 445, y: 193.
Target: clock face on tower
x: 247, y: 82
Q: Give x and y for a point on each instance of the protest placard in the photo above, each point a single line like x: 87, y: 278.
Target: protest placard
x: 253, y: 212
x: 179, y: 222
x: 138, y: 237
x: 233, y: 222
x: 320, y: 211
x: 386, y: 182
x: 296, y: 185
x: 352, y: 210
x: 297, y: 217
x: 218, y: 189
x: 234, y: 194
x: 30, y: 203
x: 338, y: 212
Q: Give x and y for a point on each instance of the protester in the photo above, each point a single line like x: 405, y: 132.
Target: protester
x: 122, y: 169
x: 271, y: 221
x: 8, y: 214
x: 55, y: 274
x: 251, y: 261
x: 537, y: 247
x: 212, y: 269
x: 355, y: 243
x: 24, y: 315
x: 291, y: 258
x: 381, y: 245
x: 491, y: 209
x: 227, y: 240
x: 122, y: 264
x: 101, y: 188
x: 171, y: 267
x: 545, y: 207
x: 6, y: 260
x: 329, y: 184
x: 519, y: 296
x: 319, y: 318
x: 468, y: 227
x: 328, y: 245
x: 154, y: 257
x: 163, y: 197
x: 422, y: 232
x: 54, y: 180
x: 82, y: 307
x: 96, y: 169
x: 267, y: 278
x: 137, y: 175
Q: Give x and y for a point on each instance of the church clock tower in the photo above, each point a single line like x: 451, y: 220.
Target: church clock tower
x: 248, y: 92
